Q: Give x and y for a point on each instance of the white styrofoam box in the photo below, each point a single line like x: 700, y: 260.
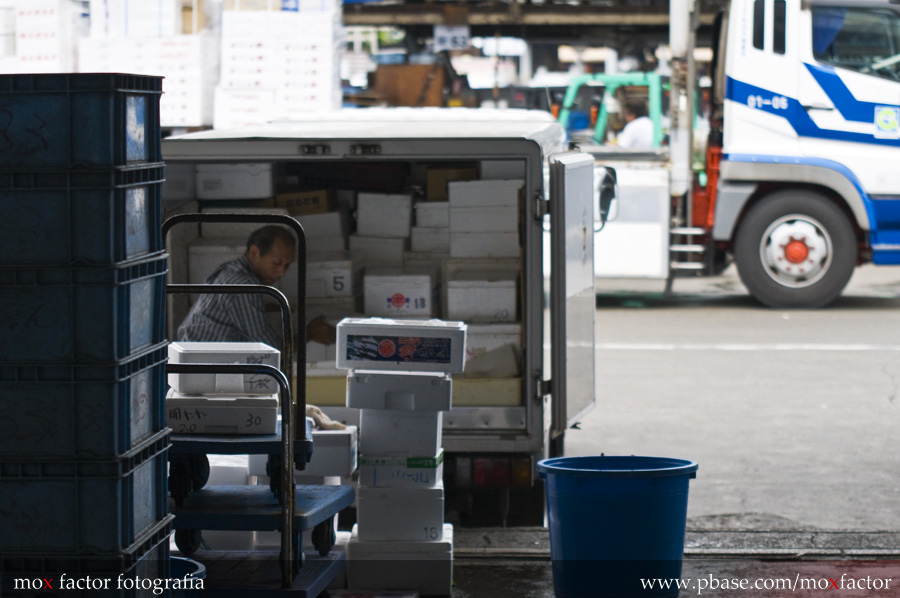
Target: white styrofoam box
x: 234, y: 181
x: 484, y: 219
x: 132, y: 19
x: 484, y: 245
x: 328, y: 224
x: 239, y: 107
x: 235, y: 230
x: 433, y: 214
x: 206, y: 254
x: 375, y: 250
x: 406, y: 345
x: 334, y: 453
x: 235, y: 414
x: 332, y: 275
x: 430, y: 240
x: 392, y: 432
x: 400, y: 514
x: 477, y: 194
x: 482, y: 296
x: 383, y: 214
x: 317, y: 352
x: 179, y: 183
x: 425, y: 567
x: 500, y: 362
x: 208, y: 352
x: 391, y: 293
x: 401, y: 472
x: 502, y: 169
x: 399, y: 390
x: 481, y: 338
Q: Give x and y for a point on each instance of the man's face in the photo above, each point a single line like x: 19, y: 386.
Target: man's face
x: 271, y: 266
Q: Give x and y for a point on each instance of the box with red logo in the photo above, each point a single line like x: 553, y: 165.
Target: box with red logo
x: 405, y: 345
x: 397, y: 293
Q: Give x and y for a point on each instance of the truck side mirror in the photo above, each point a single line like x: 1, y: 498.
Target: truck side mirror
x: 607, y: 192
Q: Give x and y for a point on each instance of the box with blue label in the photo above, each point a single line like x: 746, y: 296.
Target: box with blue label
x: 405, y: 345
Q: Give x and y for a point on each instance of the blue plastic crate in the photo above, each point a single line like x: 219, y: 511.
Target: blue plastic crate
x: 148, y: 558
x: 82, y: 314
x: 67, y: 218
x: 73, y: 120
x: 86, y: 507
x: 81, y: 411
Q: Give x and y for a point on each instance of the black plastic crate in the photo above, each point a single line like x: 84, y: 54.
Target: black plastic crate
x: 74, y: 120
x: 84, y: 507
x: 82, y: 314
x: 81, y: 411
x: 126, y: 574
x: 91, y: 217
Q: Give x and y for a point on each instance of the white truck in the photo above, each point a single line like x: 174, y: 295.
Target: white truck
x: 801, y: 178
x: 451, y: 209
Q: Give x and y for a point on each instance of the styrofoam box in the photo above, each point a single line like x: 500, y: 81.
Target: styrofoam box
x: 383, y: 214
x: 317, y: 352
x: 481, y: 338
x: 332, y: 275
x: 335, y: 455
x: 482, y: 296
x: 430, y: 240
x: 205, y: 255
x: 318, y: 226
x: 374, y: 250
x: 407, y: 391
x: 483, y: 245
x: 478, y: 194
x: 426, y: 567
x: 433, y: 214
x: 390, y: 293
x: 188, y: 414
x: 484, y: 219
x: 392, y: 432
x: 236, y: 230
x: 234, y: 181
x: 407, y: 345
x: 401, y: 472
x: 179, y: 183
x: 400, y: 514
x: 243, y: 353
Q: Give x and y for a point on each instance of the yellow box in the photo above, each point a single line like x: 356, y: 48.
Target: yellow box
x: 326, y: 390
x: 486, y: 392
x: 436, y: 180
x: 301, y: 203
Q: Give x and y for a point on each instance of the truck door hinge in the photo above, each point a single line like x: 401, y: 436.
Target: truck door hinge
x: 542, y: 388
x: 541, y: 207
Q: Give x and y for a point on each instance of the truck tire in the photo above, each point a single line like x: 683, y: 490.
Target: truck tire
x: 795, y: 249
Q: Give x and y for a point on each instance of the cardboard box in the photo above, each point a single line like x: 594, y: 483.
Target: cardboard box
x: 383, y: 214
x: 433, y: 214
x: 406, y: 391
x: 374, y: 250
x: 233, y: 353
x: 484, y: 220
x: 234, y: 181
x: 190, y: 414
x: 437, y: 179
x: 402, y: 433
x: 484, y: 245
x: 315, y: 201
x: 405, y: 345
x: 424, y: 567
x: 401, y: 472
x: 482, y: 296
x: 390, y: 293
x: 400, y: 514
x: 478, y: 194
x: 430, y: 240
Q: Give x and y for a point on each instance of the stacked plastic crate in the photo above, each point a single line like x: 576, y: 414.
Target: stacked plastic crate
x: 82, y: 348
x: 400, y: 380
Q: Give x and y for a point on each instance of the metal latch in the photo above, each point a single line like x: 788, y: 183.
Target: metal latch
x: 541, y: 206
x: 542, y: 387
x: 315, y: 149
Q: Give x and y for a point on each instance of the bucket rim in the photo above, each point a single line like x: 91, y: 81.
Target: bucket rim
x: 618, y: 466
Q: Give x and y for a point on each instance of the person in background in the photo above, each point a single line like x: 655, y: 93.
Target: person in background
x: 638, y: 130
x: 242, y: 317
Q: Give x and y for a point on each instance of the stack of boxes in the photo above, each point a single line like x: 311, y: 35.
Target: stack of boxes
x: 83, y: 351
x: 46, y: 35
x: 399, y: 379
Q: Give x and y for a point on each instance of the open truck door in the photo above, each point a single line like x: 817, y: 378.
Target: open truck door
x: 572, y: 294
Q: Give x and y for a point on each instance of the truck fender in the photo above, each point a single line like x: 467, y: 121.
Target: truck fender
x: 739, y: 181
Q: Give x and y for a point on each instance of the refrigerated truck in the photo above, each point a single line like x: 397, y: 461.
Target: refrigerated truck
x: 802, y: 183
x: 497, y: 428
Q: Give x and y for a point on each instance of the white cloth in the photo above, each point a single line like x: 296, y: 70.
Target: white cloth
x: 638, y: 134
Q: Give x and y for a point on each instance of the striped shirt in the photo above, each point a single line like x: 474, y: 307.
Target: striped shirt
x: 230, y: 317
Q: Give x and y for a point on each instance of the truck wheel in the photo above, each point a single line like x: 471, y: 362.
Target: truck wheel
x: 795, y: 249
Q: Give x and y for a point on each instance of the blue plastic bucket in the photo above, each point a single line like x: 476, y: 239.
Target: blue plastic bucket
x: 616, y: 523
x: 186, y: 569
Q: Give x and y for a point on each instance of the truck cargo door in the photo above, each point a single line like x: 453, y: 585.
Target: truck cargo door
x: 572, y: 296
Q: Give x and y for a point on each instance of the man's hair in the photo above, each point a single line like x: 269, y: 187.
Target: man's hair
x: 264, y: 238
x: 636, y: 107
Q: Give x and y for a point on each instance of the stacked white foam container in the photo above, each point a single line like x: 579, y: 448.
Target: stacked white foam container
x: 400, y: 381
x: 46, y: 35
x: 484, y: 218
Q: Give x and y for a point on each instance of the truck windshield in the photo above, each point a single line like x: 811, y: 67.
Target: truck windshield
x: 862, y: 39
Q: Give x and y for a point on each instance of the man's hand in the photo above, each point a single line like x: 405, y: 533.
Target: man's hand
x: 320, y: 331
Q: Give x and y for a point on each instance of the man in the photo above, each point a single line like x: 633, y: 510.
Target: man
x: 638, y: 131
x: 241, y: 317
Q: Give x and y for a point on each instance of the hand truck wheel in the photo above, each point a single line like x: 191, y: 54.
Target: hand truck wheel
x: 180, y: 484
x: 188, y: 541
x: 323, y: 536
